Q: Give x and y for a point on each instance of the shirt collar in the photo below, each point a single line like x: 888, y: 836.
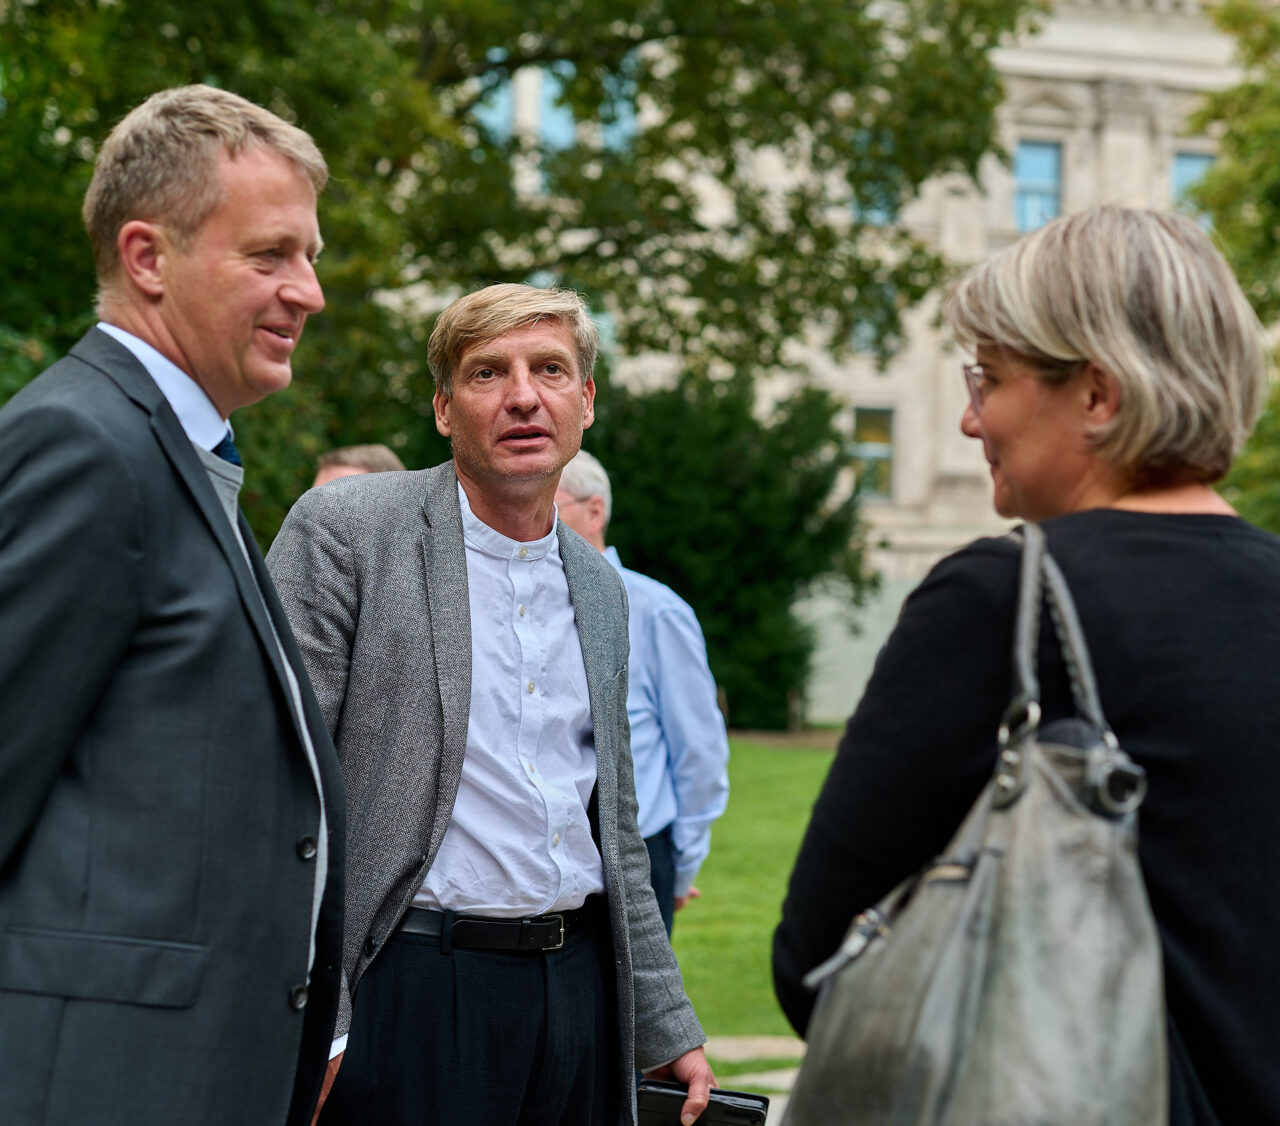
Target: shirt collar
x: 479, y: 535
x: 611, y: 554
x: 199, y: 417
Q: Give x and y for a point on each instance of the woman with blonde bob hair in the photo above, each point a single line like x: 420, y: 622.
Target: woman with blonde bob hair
x: 1118, y: 371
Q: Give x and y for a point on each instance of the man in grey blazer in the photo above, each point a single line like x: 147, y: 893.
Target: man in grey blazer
x: 506, y: 957
x: 170, y: 802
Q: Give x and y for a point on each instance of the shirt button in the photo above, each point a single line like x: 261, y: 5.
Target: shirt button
x: 524, y: 553
x: 556, y: 839
x: 307, y: 848
x: 531, y: 686
x: 298, y: 998
x: 522, y: 611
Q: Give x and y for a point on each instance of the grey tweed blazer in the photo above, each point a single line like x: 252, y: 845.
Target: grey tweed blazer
x: 371, y: 570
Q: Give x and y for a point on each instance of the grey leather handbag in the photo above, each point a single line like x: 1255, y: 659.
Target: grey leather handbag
x: 1016, y: 980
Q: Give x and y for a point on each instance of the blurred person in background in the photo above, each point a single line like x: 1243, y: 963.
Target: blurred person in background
x: 1119, y: 370
x: 678, y: 740
x: 348, y: 461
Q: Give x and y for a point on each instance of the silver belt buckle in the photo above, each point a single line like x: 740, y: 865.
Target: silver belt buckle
x: 527, y: 939
x: 560, y: 941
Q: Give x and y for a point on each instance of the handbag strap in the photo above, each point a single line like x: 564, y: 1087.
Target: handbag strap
x: 1114, y: 785
x: 1041, y: 577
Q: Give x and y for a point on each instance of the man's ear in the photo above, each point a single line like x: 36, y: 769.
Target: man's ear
x: 440, y: 402
x: 595, y: 515
x: 1101, y: 394
x: 142, y: 247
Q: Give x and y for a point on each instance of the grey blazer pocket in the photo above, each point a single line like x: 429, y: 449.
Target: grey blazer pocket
x: 101, y: 967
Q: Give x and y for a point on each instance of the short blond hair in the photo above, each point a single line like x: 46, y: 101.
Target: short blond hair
x: 160, y: 163
x: 488, y: 313
x: 373, y: 457
x: 1146, y: 297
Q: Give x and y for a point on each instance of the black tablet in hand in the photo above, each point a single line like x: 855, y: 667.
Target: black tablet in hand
x: 660, y: 1103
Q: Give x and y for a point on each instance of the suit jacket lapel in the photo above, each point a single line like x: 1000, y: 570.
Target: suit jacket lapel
x: 449, y: 612
x: 115, y: 361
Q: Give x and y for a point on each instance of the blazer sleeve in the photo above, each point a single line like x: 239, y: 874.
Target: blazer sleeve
x: 71, y: 573
x: 665, y: 1023
x: 914, y: 757
x: 313, y: 569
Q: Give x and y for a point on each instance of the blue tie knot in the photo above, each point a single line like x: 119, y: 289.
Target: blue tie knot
x: 226, y: 449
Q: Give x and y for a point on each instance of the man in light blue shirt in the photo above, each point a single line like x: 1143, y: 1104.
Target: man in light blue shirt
x: 678, y: 738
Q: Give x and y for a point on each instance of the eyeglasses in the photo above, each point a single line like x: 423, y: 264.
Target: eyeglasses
x: 975, y: 379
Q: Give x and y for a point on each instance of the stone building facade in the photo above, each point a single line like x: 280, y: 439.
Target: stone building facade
x: 1096, y: 110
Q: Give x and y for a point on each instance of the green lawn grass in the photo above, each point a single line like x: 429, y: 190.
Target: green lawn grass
x: 722, y: 940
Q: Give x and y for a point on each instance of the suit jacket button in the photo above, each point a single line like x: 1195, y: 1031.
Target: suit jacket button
x: 368, y: 945
x: 307, y: 848
x: 298, y: 998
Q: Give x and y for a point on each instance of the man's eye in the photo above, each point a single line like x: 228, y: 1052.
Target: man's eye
x: 554, y: 369
x: 485, y: 373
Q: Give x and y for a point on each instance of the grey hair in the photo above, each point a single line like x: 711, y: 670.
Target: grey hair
x: 483, y: 316
x: 160, y: 163
x: 583, y: 476
x: 1146, y: 297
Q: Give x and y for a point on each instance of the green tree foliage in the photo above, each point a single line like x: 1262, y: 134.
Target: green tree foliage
x: 1241, y: 193
x: 728, y: 189
x: 736, y: 509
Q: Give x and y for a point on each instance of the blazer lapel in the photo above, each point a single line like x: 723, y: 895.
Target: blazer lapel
x: 597, y: 611
x: 444, y: 561
x: 120, y: 365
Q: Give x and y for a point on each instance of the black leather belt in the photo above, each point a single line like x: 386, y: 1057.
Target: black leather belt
x: 536, y: 934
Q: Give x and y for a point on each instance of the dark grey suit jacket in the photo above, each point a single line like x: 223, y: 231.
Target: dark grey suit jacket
x: 372, y: 571
x: 156, y: 889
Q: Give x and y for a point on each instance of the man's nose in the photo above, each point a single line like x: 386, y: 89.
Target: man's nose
x: 522, y: 393
x: 302, y: 288
x: 970, y: 422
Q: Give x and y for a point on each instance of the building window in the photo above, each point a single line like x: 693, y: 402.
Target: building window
x: 1188, y: 170
x: 557, y: 129
x: 873, y: 450
x: 1037, y: 174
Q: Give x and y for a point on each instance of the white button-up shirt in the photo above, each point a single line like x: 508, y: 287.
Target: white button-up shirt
x: 519, y: 840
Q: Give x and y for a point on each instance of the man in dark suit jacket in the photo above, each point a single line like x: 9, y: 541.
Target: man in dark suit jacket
x: 171, y: 811
x: 505, y: 960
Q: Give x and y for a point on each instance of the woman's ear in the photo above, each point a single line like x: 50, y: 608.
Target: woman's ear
x: 1101, y: 393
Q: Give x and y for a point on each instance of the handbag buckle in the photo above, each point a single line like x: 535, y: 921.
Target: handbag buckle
x: 1021, y: 722
x: 1021, y: 719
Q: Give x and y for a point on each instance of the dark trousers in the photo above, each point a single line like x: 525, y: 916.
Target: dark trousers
x: 477, y: 1037
x: 662, y: 874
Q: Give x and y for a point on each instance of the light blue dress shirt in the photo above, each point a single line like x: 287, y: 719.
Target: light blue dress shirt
x: 678, y: 738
